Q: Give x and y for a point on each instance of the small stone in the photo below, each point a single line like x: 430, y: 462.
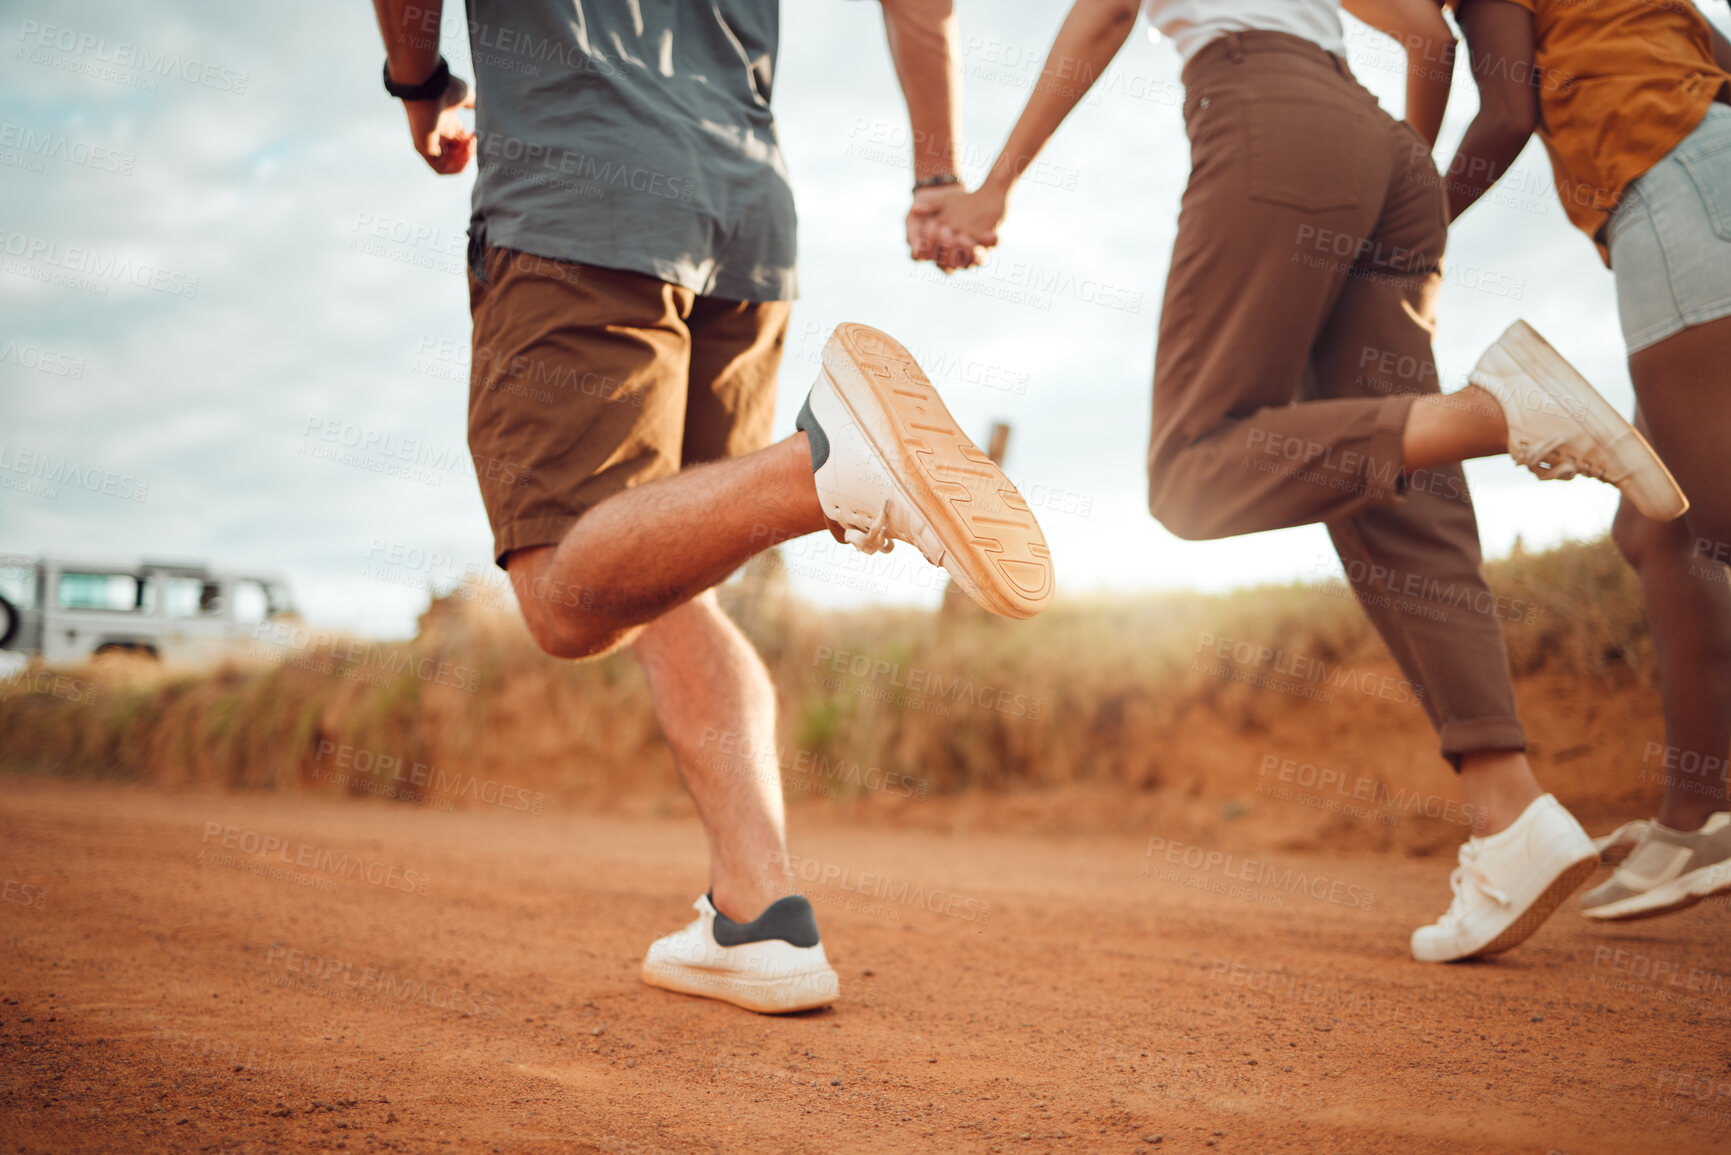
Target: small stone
x: 599, y: 1031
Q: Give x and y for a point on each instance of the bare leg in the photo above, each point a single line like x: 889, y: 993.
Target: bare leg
x: 1498, y: 785
x: 642, y: 552
x: 717, y: 707
x: 1689, y: 612
x: 1683, y: 385
x: 1446, y: 428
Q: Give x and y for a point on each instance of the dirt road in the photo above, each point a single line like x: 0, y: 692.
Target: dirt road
x: 201, y: 972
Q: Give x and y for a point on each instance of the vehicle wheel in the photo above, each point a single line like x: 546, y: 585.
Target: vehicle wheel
x: 9, y: 622
x: 131, y: 649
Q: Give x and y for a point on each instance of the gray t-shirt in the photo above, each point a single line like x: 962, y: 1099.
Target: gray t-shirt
x: 636, y: 135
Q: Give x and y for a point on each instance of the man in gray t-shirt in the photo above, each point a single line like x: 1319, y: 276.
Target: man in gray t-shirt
x: 635, y: 137
x: 631, y: 265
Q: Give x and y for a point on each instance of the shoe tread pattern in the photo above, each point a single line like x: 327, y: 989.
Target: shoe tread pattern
x: 1542, y: 908
x: 983, y: 521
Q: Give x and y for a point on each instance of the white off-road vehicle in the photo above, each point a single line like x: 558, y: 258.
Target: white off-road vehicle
x: 65, y: 611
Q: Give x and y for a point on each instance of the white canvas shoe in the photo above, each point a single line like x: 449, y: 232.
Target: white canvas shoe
x: 1667, y: 870
x: 1508, y: 883
x: 891, y: 465
x: 774, y: 964
x: 1560, y: 427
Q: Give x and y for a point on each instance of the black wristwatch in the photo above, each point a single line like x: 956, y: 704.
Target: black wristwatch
x: 431, y: 88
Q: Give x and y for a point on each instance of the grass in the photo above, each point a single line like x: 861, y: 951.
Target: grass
x: 1110, y: 691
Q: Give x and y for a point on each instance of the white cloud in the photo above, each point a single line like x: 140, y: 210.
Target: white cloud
x: 261, y: 195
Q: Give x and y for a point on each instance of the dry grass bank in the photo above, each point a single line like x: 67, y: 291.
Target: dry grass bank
x: 1088, y: 715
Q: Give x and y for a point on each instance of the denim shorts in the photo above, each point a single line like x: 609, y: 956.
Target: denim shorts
x: 1670, y: 237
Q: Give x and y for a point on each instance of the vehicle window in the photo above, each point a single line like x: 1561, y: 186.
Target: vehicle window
x: 278, y: 597
x: 98, y: 591
x: 18, y: 581
x: 251, y: 603
x: 190, y: 597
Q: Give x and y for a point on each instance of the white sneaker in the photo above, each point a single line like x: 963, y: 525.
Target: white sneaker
x: 1667, y: 870
x: 773, y: 964
x: 1509, y: 883
x: 891, y: 465
x: 1560, y: 427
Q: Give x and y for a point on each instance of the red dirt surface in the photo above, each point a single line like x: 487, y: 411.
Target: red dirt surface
x: 1001, y: 992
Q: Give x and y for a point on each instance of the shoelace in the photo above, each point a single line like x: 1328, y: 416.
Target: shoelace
x: 875, y: 540
x: 1564, y: 465
x: 1467, y: 873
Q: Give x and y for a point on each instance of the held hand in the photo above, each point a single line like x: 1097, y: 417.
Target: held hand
x: 438, y: 131
x: 958, y: 226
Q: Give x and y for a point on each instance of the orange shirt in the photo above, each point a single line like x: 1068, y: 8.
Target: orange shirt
x: 1621, y: 83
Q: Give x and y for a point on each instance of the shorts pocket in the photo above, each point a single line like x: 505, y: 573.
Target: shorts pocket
x: 1308, y: 154
x: 1706, y: 156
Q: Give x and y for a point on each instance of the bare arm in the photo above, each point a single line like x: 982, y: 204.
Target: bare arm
x: 1091, y: 36
x: 411, y: 32
x: 1500, y: 40
x: 1430, y: 55
x: 923, y: 45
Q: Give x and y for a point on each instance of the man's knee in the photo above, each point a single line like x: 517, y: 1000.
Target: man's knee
x: 565, y: 636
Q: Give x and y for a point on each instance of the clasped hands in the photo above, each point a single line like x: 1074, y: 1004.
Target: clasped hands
x: 949, y: 226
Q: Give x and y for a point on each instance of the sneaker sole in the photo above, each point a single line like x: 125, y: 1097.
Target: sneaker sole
x: 993, y: 546
x: 805, y: 991
x: 1678, y: 894
x: 1649, y: 484
x: 1554, y: 895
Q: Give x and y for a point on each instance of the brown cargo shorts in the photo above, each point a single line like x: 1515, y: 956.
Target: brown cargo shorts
x: 587, y: 381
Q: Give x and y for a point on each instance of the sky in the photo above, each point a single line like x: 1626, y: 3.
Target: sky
x: 217, y: 245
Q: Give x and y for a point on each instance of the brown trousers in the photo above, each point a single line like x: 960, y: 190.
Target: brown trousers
x: 1294, y: 337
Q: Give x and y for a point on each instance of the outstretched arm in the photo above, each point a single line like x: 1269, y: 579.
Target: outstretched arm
x: 922, y: 36
x: 1430, y: 55
x: 1500, y: 40
x: 1091, y: 36
x: 411, y: 32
